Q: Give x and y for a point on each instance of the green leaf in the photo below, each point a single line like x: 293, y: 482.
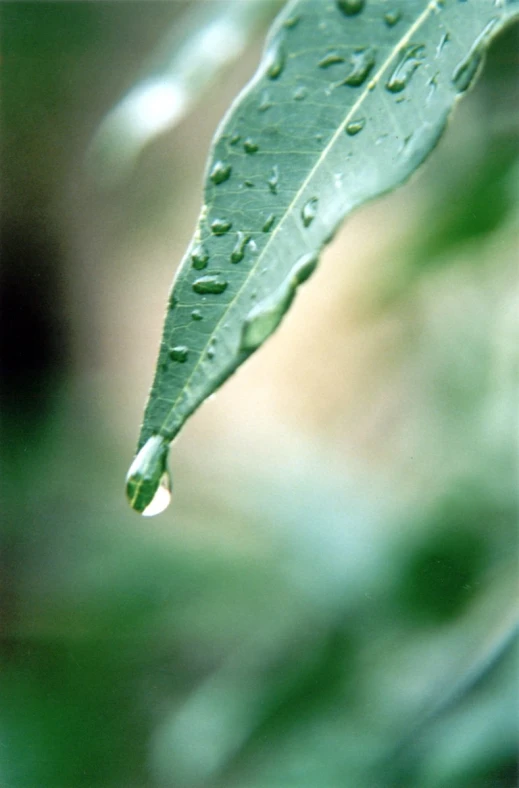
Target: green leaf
x: 350, y: 97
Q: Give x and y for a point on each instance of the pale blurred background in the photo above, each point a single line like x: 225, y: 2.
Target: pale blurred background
x: 330, y: 601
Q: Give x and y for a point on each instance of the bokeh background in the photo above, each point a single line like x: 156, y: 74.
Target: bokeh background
x: 330, y: 601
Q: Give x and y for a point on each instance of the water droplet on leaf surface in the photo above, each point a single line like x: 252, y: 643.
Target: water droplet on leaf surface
x: 300, y: 93
x: 221, y: 172
x: 391, y: 18
x: 250, y: 146
x: 277, y: 63
x: 350, y: 7
x: 213, y: 285
x: 220, y: 226
x: 331, y: 59
x: 362, y: 63
x: 179, y: 353
x: 401, y: 76
x: 309, y: 211
x: 196, y: 314
x: 199, y: 257
x: 355, y: 126
x: 274, y: 179
x: 238, y: 253
x: 467, y: 68
x: 147, y: 473
x: 269, y: 223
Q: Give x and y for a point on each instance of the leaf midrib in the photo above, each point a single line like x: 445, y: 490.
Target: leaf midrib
x: 431, y: 6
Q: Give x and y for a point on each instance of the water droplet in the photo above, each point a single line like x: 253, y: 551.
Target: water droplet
x: 221, y: 172
x: 355, y: 126
x: 238, y: 253
x: 235, y: 139
x: 196, y: 314
x: 265, y: 102
x: 147, y: 472
x: 199, y: 257
x: 319, y: 137
x: 161, y: 499
x: 269, y: 223
x: 276, y: 63
x: 362, y: 63
x: 250, y: 146
x: 265, y: 317
x: 412, y: 59
x: 248, y: 184
x: 330, y: 59
x: 213, y: 284
x: 173, y: 301
x: 220, y: 226
x: 211, y: 351
x: 444, y: 40
x: 179, y: 353
x: 467, y: 68
x: 309, y: 211
x: 300, y: 93
x: 291, y: 22
x: 274, y: 179
x: 350, y: 7
x: 391, y: 18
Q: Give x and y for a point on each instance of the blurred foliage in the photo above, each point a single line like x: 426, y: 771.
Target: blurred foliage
x: 313, y: 612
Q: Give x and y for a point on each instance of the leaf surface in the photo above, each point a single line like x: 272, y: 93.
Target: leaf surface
x: 349, y: 98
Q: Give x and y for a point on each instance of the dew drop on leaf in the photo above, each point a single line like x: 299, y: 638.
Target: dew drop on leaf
x: 277, y: 63
x: 221, y: 172
x: 212, y: 284
x: 269, y: 223
x: 401, y: 76
x: 196, y: 314
x: 250, y: 146
x: 330, y: 59
x: 291, y: 22
x: 220, y: 226
x: 391, y: 18
x: 355, y: 126
x: 199, y: 257
x: 362, y: 63
x: 350, y: 7
x: 147, y: 473
x: 300, y: 93
x: 309, y: 211
x: 265, y: 102
x: 179, y: 353
x: 274, y: 179
x: 161, y: 499
x: 238, y: 253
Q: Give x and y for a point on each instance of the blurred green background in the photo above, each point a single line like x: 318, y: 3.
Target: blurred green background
x: 330, y: 601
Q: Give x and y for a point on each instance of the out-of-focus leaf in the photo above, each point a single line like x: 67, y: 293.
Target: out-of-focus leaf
x: 349, y: 99
x: 209, y: 38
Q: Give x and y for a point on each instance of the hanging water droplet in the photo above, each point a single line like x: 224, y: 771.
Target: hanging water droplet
x: 466, y: 70
x: 330, y: 59
x: 269, y: 223
x: 300, y: 93
x: 147, y: 472
x: 265, y: 317
x: 161, y: 499
x: 265, y: 102
x: 309, y: 211
x: 274, y: 179
x: 276, y: 63
x: 412, y: 59
x: 355, y: 126
x: 250, y: 146
x: 179, y: 353
x: 391, y: 18
x: 362, y: 63
x: 238, y: 253
x: 213, y: 284
x: 196, y: 314
x: 220, y: 226
x: 350, y: 7
x: 221, y: 172
x: 199, y: 257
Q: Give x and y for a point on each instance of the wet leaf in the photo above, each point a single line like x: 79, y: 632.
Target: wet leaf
x: 348, y: 100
